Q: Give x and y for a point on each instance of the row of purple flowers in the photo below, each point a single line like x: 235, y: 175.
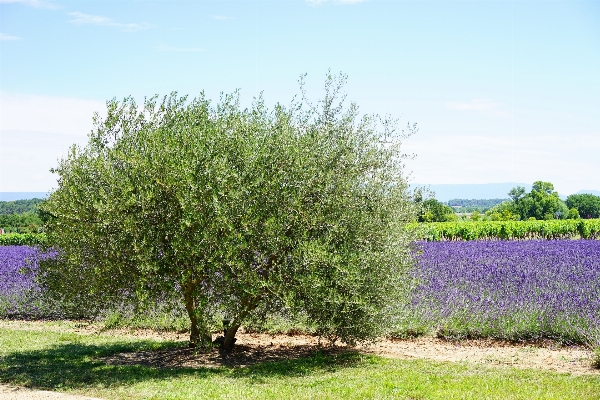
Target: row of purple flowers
x: 517, y: 290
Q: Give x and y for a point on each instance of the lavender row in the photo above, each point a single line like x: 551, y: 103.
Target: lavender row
x: 19, y: 294
x: 517, y: 290
x: 511, y: 290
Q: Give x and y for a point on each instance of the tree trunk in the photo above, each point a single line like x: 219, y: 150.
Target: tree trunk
x: 194, y: 331
x: 199, y: 333
x: 229, y: 340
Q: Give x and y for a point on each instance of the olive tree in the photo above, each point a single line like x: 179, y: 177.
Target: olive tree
x: 236, y: 211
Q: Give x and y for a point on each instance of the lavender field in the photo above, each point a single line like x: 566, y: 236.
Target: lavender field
x: 515, y: 290
x: 19, y: 295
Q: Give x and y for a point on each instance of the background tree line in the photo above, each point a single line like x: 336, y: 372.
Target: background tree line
x: 544, y: 203
x: 541, y: 203
x: 470, y: 205
x: 21, y: 216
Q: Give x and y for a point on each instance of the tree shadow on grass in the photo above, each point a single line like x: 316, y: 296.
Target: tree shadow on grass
x: 78, y: 365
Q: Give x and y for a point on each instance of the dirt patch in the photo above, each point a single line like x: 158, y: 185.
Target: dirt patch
x: 242, y: 355
x: 546, y: 356
x: 8, y: 392
x: 253, y: 348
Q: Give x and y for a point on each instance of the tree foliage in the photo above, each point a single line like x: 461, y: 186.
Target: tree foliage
x: 587, y: 205
x: 542, y: 202
x: 471, y: 205
x: 481, y: 203
x: 20, y: 216
x: 435, y: 211
x: 504, y: 211
x: 237, y: 212
x: 19, y: 206
x: 28, y: 222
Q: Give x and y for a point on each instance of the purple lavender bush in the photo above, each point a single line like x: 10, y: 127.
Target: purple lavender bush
x: 20, y: 296
x: 515, y: 290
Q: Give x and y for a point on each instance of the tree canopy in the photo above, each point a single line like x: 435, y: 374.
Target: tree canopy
x: 472, y: 205
x: 20, y: 216
x: 236, y: 212
x: 542, y: 202
x: 504, y: 211
x: 28, y: 222
x: 19, y: 206
x: 435, y: 211
x: 587, y: 205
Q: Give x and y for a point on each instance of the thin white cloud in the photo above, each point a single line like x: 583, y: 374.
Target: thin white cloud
x: 88, y: 19
x: 32, y: 3
x: 221, y: 17
x: 62, y: 115
x: 35, y: 132
x: 486, y: 158
x: 479, y: 105
x: 4, y: 37
x: 166, y: 47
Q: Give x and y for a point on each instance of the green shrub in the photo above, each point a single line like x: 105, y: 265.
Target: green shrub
x: 22, y: 239
x: 509, y: 230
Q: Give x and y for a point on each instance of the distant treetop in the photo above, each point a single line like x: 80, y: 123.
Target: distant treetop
x: 19, y: 206
x: 587, y: 205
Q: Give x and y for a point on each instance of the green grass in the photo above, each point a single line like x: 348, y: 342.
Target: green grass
x: 68, y: 362
x: 177, y: 320
x: 159, y: 321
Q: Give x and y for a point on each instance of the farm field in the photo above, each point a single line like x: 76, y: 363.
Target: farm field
x: 443, y: 231
x: 513, y: 290
x: 477, y: 309
x: 510, y: 290
x: 509, y: 230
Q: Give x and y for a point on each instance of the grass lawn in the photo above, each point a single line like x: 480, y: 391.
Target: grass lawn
x: 69, y: 362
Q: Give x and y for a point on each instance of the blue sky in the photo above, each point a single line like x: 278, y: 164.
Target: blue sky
x: 502, y: 91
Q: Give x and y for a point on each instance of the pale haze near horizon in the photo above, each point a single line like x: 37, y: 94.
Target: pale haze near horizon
x: 500, y: 91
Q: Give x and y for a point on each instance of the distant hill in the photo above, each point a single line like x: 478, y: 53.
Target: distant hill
x: 445, y: 192
x: 11, y: 196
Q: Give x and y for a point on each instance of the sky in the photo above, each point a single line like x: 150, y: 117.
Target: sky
x: 501, y: 91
